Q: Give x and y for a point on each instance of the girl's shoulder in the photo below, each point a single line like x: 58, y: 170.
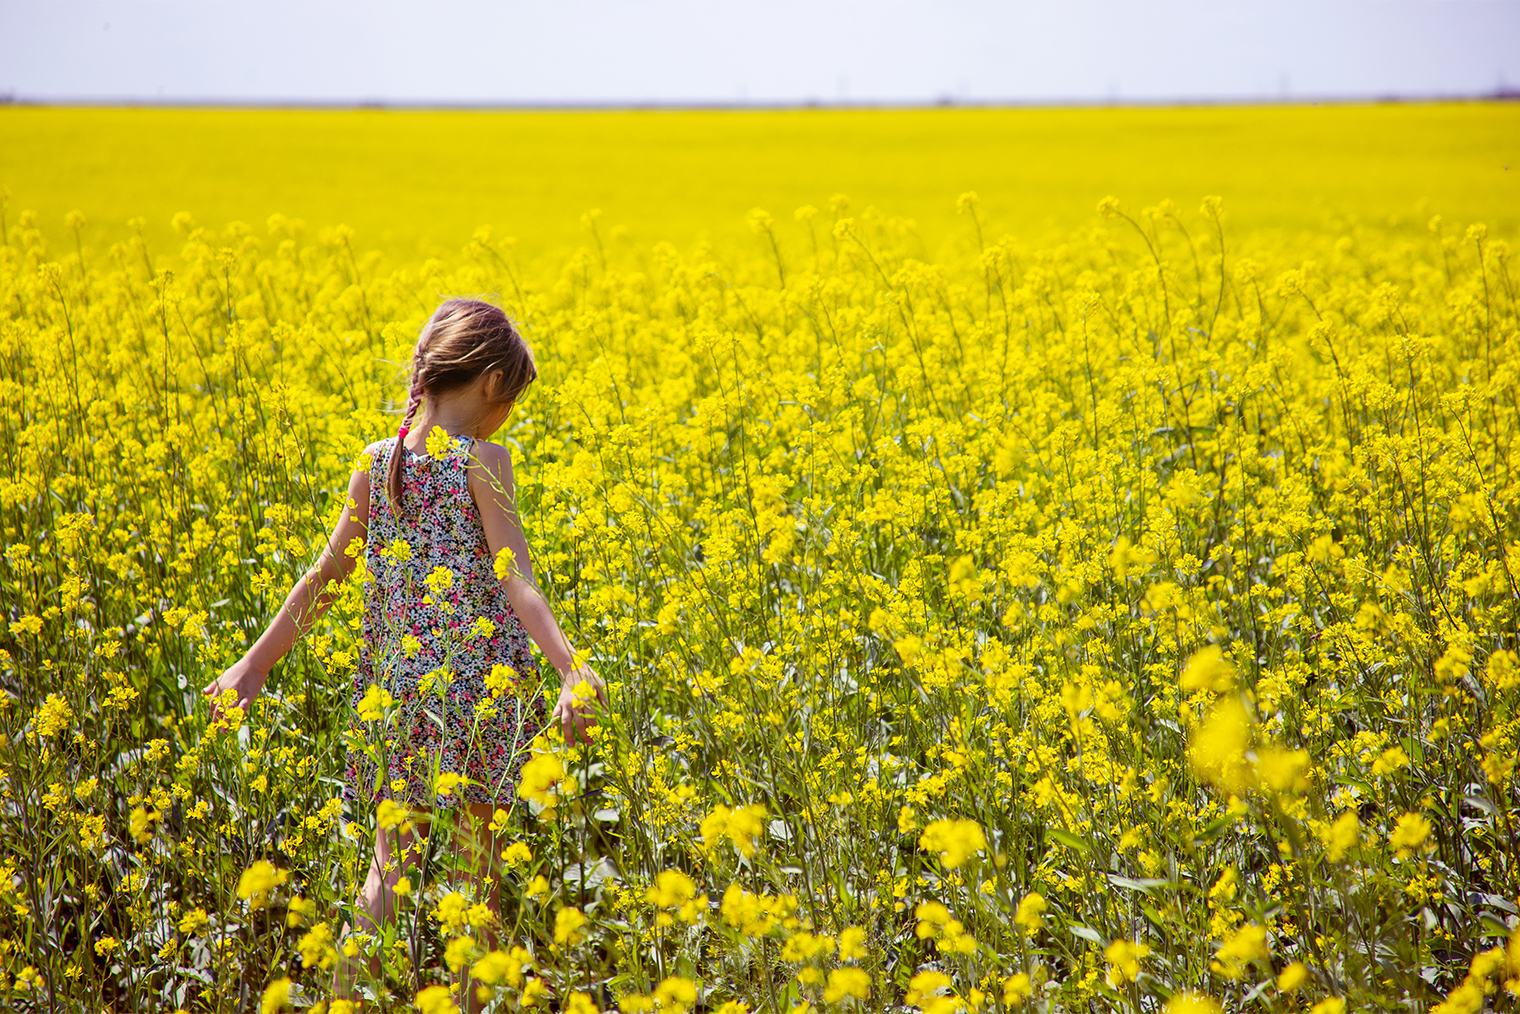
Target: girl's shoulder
x: 493, y: 458
x: 376, y: 456
x: 490, y: 472
x: 375, y: 453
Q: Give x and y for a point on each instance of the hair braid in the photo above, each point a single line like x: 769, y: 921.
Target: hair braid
x: 393, y: 484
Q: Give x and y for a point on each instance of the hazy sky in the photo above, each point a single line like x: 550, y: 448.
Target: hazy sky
x: 777, y: 51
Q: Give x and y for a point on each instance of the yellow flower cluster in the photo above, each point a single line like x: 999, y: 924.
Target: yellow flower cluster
x: 954, y: 840
x: 740, y: 825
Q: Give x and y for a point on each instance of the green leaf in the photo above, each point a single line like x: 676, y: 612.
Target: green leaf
x: 1087, y: 933
x: 1071, y: 841
x: 1141, y: 884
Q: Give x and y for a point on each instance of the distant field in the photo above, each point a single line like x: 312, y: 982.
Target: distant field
x: 405, y: 180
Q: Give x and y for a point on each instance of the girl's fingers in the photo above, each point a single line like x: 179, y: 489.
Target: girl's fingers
x: 575, y: 718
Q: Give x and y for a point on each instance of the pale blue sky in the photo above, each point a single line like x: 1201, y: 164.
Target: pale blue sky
x: 747, y: 51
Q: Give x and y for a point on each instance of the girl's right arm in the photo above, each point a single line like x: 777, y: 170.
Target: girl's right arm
x: 308, y: 600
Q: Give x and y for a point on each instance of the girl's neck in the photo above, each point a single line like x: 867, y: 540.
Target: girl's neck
x: 462, y: 412
x: 455, y: 425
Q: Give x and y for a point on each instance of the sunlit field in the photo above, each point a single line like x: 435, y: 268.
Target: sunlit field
x: 1021, y: 584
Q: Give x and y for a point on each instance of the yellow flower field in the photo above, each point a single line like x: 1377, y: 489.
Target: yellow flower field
x: 1117, y: 619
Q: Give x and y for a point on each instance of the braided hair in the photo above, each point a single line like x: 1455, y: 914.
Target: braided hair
x: 463, y: 339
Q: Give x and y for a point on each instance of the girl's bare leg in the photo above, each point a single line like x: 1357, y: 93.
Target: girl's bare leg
x: 394, y: 850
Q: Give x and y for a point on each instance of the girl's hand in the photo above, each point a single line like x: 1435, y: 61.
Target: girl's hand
x: 575, y: 713
x: 241, y: 677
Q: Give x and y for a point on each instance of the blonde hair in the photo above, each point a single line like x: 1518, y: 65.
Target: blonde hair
x: 462, y: 340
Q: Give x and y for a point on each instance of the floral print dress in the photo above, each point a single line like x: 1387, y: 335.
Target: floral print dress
x: 442, y: 640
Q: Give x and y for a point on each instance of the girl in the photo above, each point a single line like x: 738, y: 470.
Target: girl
x: 449, y: 604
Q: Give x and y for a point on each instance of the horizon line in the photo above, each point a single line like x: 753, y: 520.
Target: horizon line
x: 1505, y: 94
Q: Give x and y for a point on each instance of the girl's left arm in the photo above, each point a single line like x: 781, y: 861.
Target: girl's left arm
x: 495, y: 494
x: 309, y: 599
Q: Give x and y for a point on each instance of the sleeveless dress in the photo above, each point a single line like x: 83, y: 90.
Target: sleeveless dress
x: 432, y: 640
